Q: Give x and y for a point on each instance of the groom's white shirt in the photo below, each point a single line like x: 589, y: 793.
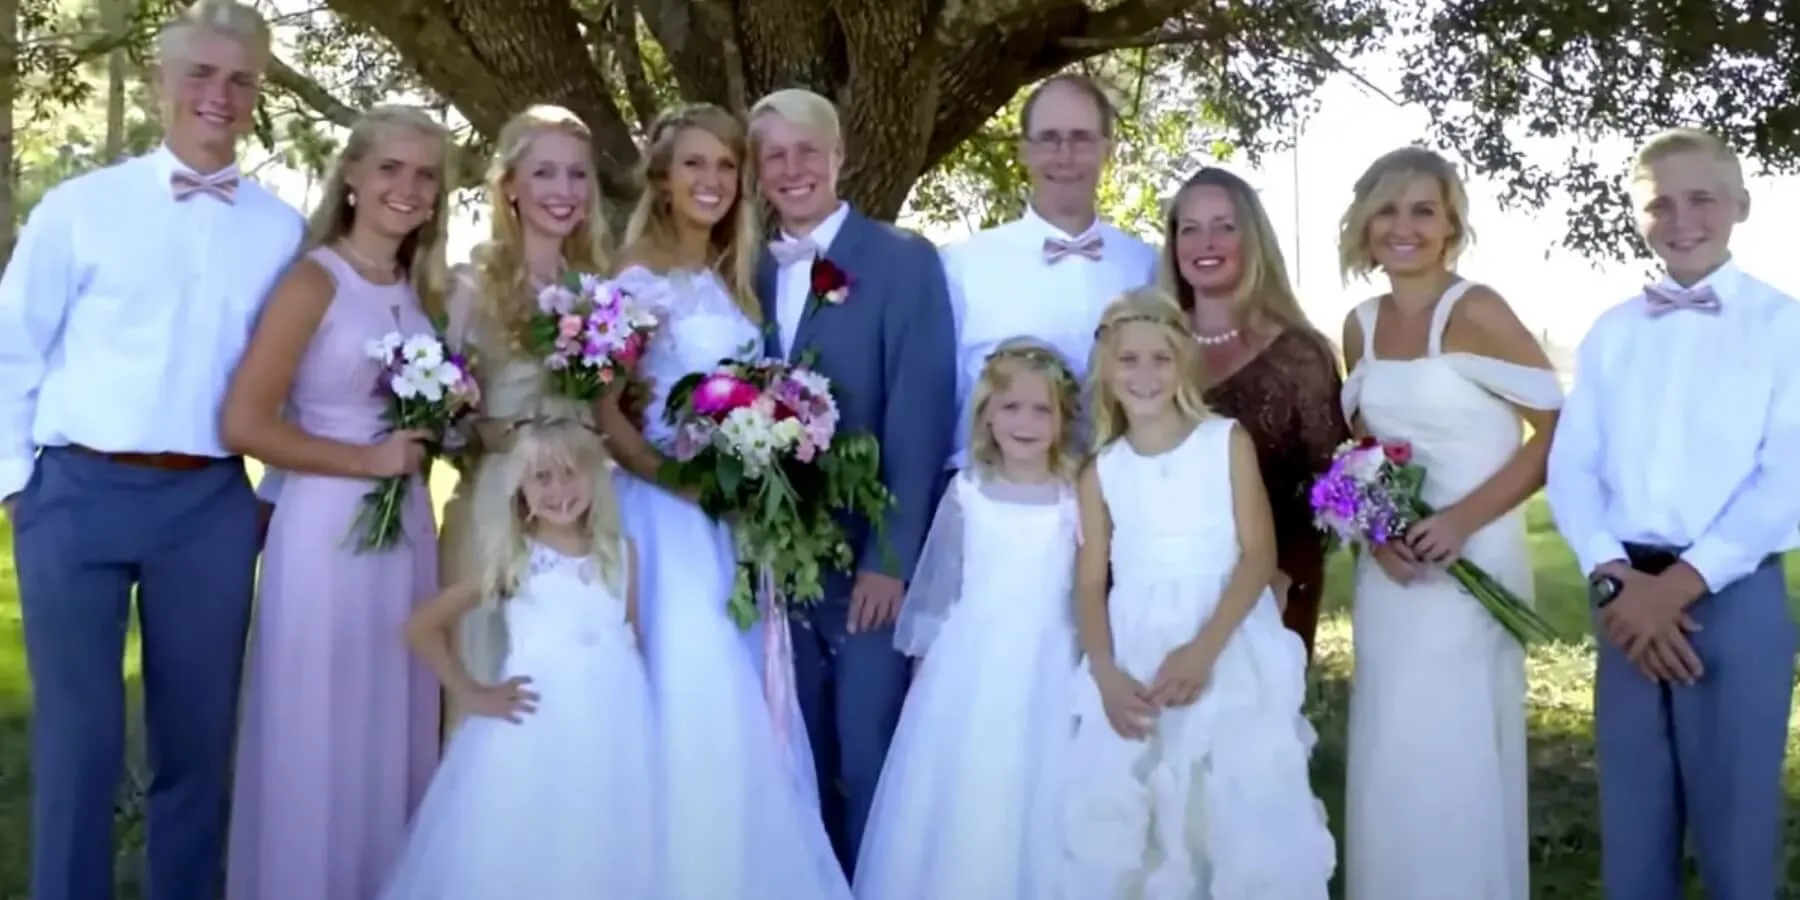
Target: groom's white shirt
x: 124, y: 311
x: 1001, y: 287
x: 1684, y: 431
x: 793, y: 281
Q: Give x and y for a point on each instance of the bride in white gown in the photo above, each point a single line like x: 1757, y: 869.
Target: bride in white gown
x: 1436, y: 803
x: 742, y: 818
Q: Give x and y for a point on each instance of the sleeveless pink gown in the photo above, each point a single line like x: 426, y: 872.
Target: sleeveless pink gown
x: 339, y: 730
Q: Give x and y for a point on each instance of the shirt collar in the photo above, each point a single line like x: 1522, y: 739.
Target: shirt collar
x: 166, y: 165
x: 1039, y: 227
x: 1724, y: 281
x: 826, y: 231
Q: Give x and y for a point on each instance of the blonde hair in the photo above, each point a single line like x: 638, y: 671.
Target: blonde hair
x: 1021, y: 356
x: 421, y: 255
x: 1686, y: 141
x: 240, y: 22
x: 804, y: 108
x: 505, y: 553
x: 1144, y: 306
x: 1380, y: 187
x: 1263, y: 290
x: 736, y: 239
x: 506, y: 295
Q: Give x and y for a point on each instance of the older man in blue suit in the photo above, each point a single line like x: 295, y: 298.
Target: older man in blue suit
x: 887, y: 340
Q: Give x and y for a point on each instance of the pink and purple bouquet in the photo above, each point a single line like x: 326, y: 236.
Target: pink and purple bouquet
x: 428, y: 388
x: 589, y: 332
x: 1373, y: 492
x: 759, y: 443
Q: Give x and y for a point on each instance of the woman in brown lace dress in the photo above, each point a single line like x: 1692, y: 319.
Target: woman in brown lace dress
x: 1270, y: 369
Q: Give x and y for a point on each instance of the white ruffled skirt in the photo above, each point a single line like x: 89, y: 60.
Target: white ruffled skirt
x: 1216, y: 804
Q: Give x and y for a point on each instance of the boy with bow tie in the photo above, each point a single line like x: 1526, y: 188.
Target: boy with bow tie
x: 1675, y: 477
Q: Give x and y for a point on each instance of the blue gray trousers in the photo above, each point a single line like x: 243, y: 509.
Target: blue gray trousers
x: 1702, y: 760
x: 86, y: 531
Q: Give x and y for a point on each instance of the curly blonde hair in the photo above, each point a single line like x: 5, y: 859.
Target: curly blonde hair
x: 421, y: 255
x: 1151, y: 306
x: 1013, y: 358
x: 552, y: 440
x: 499, y: 262
x: 736, y: 239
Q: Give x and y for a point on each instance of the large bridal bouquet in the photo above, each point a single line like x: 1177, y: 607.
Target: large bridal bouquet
x: 589, y: 332
x: 428, y: 388
x: 1372, y: 494
x: 759, y: 442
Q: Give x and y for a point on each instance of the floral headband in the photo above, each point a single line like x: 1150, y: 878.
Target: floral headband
x: 1041, y: 356
x: 1127, y: 320
x: 515, y: 425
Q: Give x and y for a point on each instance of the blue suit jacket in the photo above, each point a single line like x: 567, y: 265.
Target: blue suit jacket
x: 890, y: 352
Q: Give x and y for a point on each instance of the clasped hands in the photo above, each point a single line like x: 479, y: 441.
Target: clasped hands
x: 1436, y: 540
x: 1131, y: 707
x: 1649, y: 622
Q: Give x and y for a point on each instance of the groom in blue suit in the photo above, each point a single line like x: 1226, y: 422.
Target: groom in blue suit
x: 887, y: 341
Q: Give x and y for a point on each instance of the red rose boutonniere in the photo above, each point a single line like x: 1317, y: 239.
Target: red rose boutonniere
x: 830, y: 284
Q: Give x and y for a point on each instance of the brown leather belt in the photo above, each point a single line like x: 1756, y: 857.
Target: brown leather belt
x: 172, y: 462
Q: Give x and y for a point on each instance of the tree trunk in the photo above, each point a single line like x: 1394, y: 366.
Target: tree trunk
x: 912, y: 78
x: 115, y: 16
x: 9, y: 92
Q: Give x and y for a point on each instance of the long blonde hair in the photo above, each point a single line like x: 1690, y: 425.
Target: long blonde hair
x: 421, y: 255
x: 505, y: 286
x: 505, y: 553
x: 736, y: 238
x: 1144, y: 306
x: 1263, y: 289
x: 1381, y: 186
x: 1015, y: 357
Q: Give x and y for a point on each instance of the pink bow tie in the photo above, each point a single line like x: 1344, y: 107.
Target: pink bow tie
x: 1056, y: 249
x: 187, y: 185
x: 1660, y: 301
x: 788, y: 252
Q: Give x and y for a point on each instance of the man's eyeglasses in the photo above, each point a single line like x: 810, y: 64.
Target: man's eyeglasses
x: 1078, y: 141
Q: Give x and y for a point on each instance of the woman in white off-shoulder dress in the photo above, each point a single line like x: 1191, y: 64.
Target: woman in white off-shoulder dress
x: 1437, y: 766
x: 740, y: 807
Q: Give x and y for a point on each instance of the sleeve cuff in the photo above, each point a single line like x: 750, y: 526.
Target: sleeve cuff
x: 268, y: 490
x: 1599, y: 551
x: 14, y: 475
x: 1719, y: 564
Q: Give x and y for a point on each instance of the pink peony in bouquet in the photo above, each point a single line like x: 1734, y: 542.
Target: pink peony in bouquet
x: 1372, y: 493
x: 759, y: 443
x: 428, y: 388
x: 589, y: 332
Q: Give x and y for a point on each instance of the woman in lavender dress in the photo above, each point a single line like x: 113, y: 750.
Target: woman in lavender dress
x: 340, y: 726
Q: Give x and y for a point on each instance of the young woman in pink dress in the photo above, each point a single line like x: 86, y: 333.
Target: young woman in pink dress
x: 339, y: 729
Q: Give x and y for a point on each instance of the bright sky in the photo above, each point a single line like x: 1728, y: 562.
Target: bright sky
x: 1515, y: 250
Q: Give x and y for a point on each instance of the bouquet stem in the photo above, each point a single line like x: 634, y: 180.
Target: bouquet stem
x: 378, y: 520
x: 1513, y: 614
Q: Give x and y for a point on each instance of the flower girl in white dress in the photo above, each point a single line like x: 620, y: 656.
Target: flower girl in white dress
x: 1187, y: 778
x: 964, y: 808
x: 546, y: 791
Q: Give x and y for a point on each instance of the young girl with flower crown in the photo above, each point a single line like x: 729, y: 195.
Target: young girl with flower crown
x: 546, y: 791
x: 962, y: 809
x: 1187, y: 776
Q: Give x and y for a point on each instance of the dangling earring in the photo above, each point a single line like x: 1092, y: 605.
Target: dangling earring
x: 350, y: 198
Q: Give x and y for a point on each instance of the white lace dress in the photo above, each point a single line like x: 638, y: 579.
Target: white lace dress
x: 965, y: 808
x: 1216, y: 804
x: 557, y: 805
x: 1436, y: 793
x: 741, y: 821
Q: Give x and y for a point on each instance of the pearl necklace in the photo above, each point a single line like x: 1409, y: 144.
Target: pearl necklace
x: 1216, y: 340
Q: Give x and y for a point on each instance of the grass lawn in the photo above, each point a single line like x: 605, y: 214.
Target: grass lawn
x: 1565, y: 833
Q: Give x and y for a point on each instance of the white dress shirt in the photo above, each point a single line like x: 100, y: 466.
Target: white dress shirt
x: 793, y: 281
x: 124, y: 311
x: 1001, y: 287
x: 1683, y: 430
